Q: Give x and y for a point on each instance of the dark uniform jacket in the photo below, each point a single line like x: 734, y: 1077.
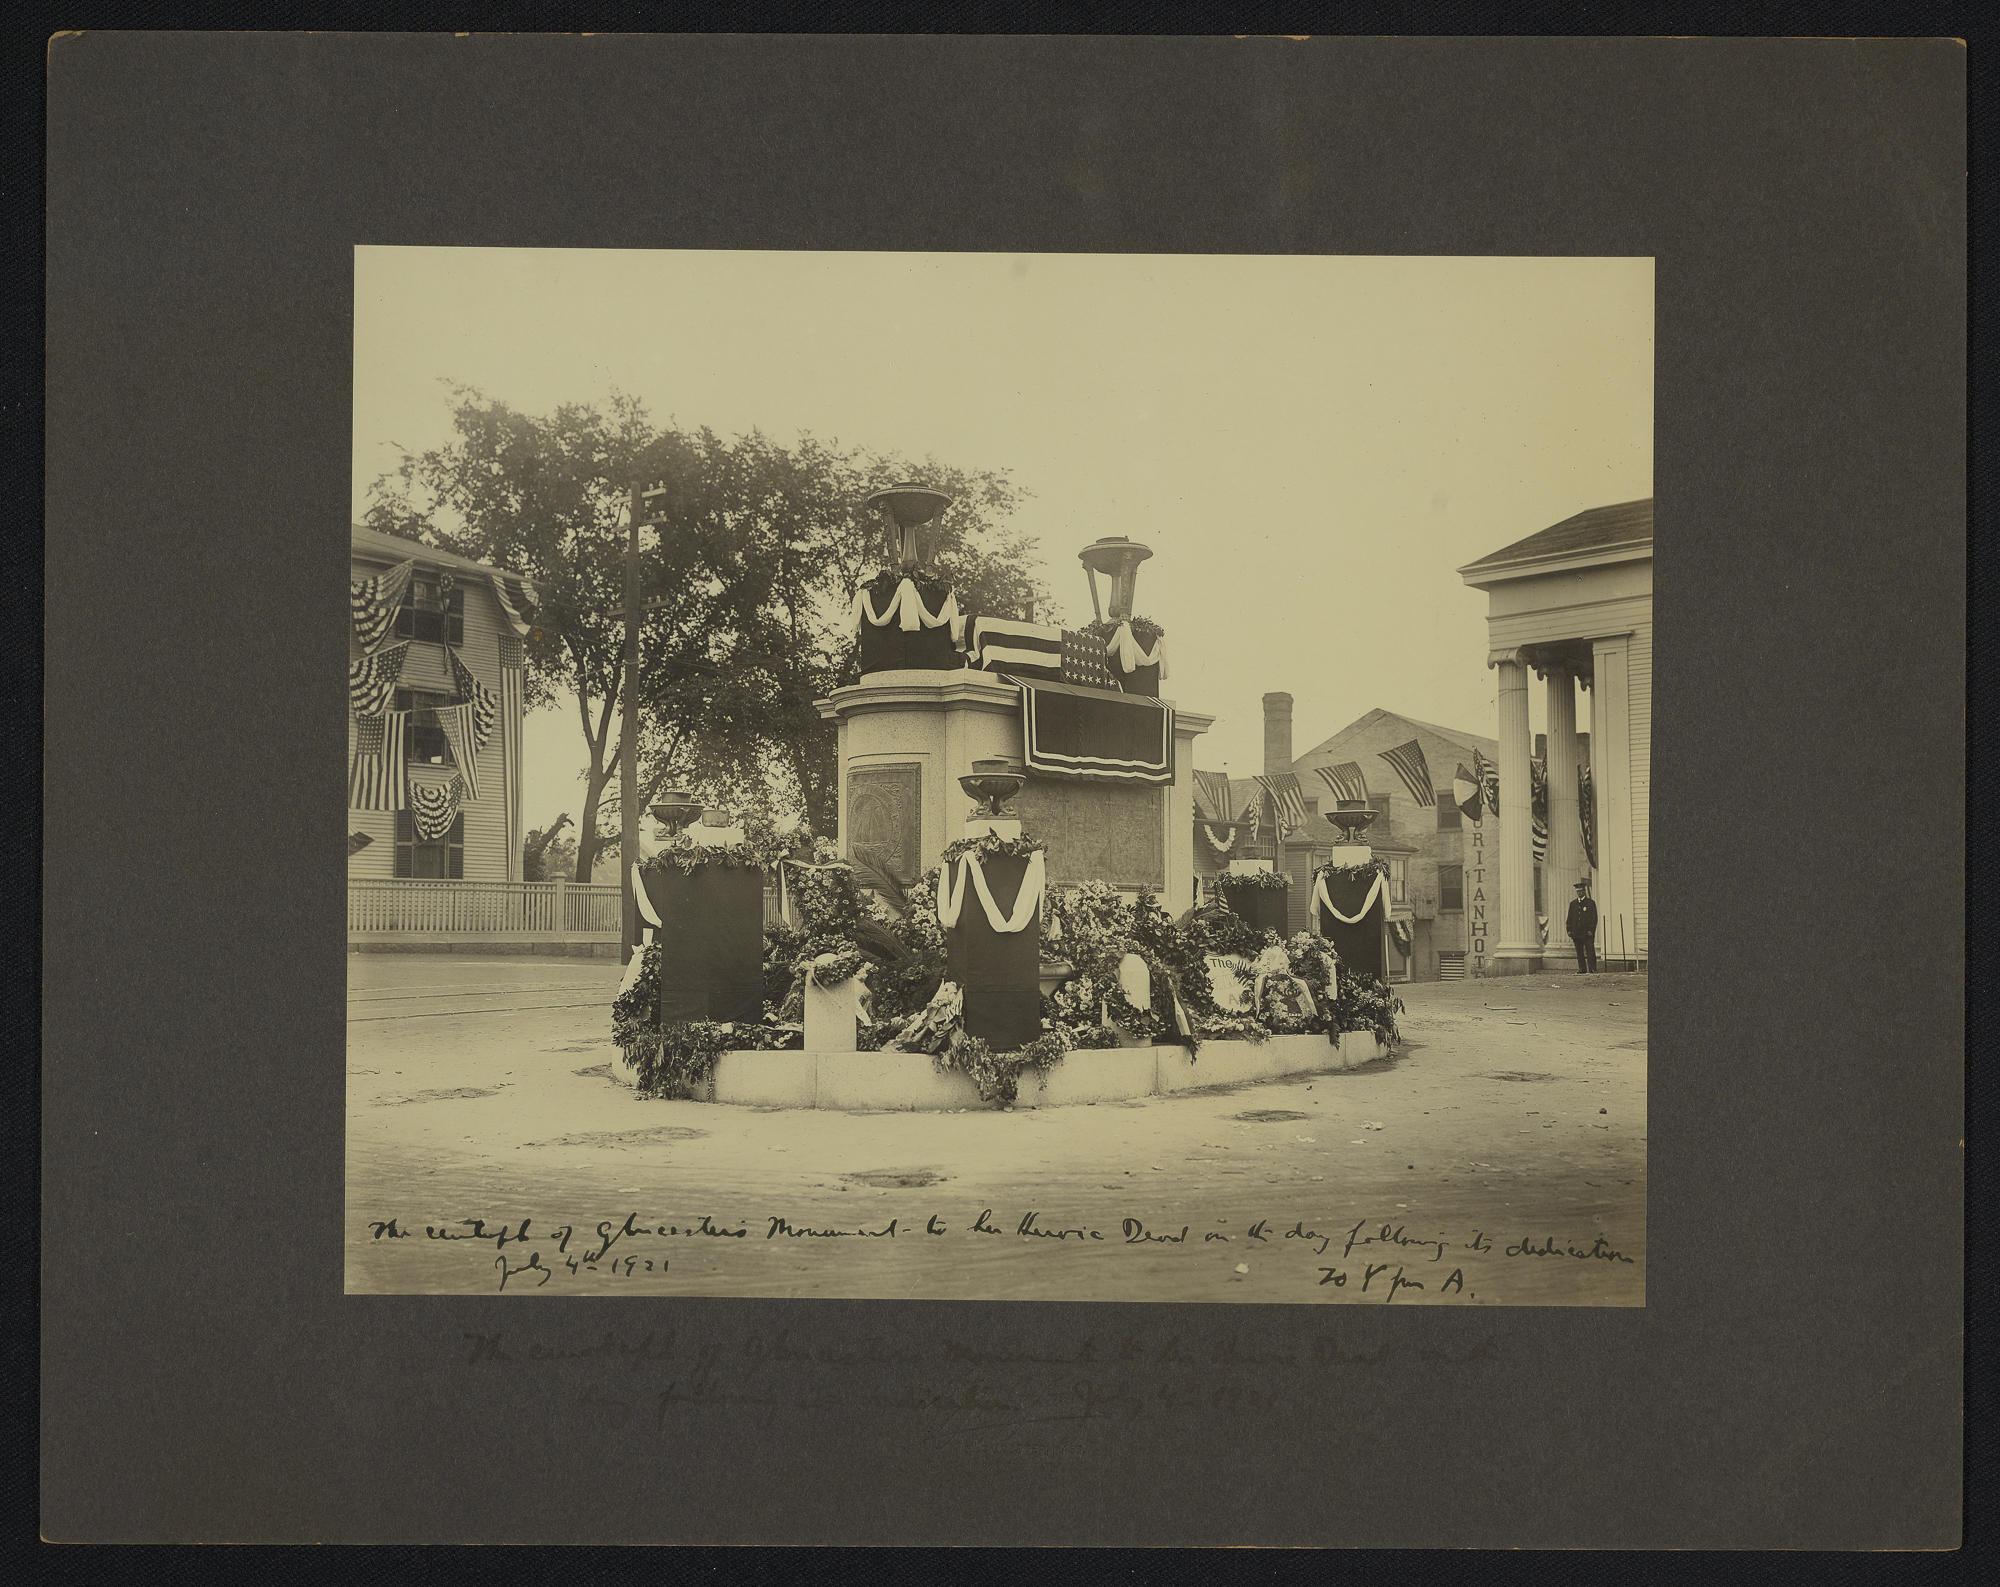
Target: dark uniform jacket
x: 1582, y: 917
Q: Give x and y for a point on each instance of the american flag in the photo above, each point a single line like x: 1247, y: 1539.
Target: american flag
x: 1407, y: 761
x: 1084, y: 661
x: 484, y: 707
x: 1488, y: 777
x: 512, y: 652
x: 1345, y: 780
x: 459, y: 733
x: 1211, y: 795
x: 1287, y: 802
x: 1005, y: 644
x: 1586, y: 812
x: 375, y: 781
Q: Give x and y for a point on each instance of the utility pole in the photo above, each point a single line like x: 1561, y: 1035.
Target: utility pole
x: 628, y: 739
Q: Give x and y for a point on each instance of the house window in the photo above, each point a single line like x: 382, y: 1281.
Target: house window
x: 424, y: 742
x: 1451, y: 887
x: 1450, y: 817
x: 1379, y: 828
x: 1399, y: 881
x: 440, y: 861
x: 430, y: 613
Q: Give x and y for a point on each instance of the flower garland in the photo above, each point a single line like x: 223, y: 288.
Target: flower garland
x: 1252, y: 881
x: 1215, y: 842
x: 757, y: 852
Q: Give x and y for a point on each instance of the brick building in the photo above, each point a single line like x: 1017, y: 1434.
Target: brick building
x: 1443, y: 867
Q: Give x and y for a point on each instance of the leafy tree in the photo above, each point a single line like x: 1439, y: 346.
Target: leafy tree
x: 753, y: 571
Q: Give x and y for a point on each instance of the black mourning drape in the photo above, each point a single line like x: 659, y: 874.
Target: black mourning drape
x: 999, y: 972
x: 711, y: 937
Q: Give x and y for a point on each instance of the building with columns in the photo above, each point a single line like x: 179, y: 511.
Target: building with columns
x: 1571, y: 607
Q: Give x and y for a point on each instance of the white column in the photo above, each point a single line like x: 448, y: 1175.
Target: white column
x: 1564, y: 868
x: 1519, y: 949
x: 1611, y: 772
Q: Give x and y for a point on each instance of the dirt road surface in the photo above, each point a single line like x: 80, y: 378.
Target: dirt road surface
x: 1499, y: 1158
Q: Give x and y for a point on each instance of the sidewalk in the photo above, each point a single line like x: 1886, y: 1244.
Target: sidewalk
x: 1514, y: 1112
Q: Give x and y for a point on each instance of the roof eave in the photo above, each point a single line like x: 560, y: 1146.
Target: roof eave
x: 1481, y: 574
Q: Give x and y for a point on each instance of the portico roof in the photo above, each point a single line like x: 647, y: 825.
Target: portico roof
x: 1622, y: 530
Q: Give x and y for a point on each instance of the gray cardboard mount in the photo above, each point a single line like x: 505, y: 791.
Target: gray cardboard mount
x: 1795, y: 1378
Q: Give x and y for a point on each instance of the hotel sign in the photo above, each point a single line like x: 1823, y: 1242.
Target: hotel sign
x: 1475, y: 896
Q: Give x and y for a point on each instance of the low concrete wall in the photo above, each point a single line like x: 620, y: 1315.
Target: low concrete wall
x: 911, y: 1082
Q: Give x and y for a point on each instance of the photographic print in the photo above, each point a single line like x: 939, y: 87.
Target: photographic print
x: 992, y: 776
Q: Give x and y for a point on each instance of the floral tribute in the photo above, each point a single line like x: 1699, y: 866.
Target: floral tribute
x: 844, y: 931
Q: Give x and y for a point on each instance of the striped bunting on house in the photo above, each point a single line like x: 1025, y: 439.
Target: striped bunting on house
x: 434, y: 806
x: 371, y: 680
x: 485, y: 709
x: 1345, y: 781
x: 1288, y: 802
x: 374, y: 603
x: 462, y: 735
x: 513, y: 594
x: 375, y: 780
x: 1407, y: 761
x: 1001, y: 644
x: 1211, y: 795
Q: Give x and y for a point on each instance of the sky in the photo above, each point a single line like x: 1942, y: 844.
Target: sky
x: 1311, y: 446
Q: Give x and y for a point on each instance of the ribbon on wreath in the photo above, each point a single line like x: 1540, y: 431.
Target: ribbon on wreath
x: 951, y: 900
x: 906, y: 608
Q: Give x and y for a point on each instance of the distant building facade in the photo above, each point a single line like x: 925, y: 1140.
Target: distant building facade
x: 1573, y: 604
x: 1443, y: 865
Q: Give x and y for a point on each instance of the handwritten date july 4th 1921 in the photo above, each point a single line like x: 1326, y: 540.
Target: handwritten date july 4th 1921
x: 1371, y: 1257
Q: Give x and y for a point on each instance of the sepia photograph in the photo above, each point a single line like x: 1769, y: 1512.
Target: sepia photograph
x: 985, y: 776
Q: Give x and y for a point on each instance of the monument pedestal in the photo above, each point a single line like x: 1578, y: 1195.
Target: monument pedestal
x: 711, y: 938
x: 999, y: 972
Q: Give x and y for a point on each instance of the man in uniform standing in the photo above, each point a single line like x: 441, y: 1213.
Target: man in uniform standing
x: 1583, y: 928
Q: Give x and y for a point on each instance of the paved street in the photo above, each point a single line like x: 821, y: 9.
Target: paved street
x: 1498, y: 1158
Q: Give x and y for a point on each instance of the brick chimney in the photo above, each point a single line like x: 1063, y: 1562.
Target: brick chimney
x: 1277, y: 734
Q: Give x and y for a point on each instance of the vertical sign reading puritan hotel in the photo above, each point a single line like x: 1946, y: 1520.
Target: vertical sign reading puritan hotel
x: 1475, y: 898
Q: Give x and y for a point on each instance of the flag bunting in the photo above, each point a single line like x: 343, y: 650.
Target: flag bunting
x: 1407, y: 761
x: 434, y: 806
x: 371, y: 679
x: 459, y: 733
x: 374, y: 603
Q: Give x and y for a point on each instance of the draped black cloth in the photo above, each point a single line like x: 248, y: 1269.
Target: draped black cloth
x: 890, y: 649
x: 999, y: 972
x: 1265, y: 908
x: 711, y: 937
x: 1141, y: 680
x: 1359, y: 946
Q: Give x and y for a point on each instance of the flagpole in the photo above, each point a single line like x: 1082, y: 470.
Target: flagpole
x: 628, y: 733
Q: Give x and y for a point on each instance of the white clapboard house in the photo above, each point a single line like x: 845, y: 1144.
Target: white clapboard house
x: 434, y: 760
